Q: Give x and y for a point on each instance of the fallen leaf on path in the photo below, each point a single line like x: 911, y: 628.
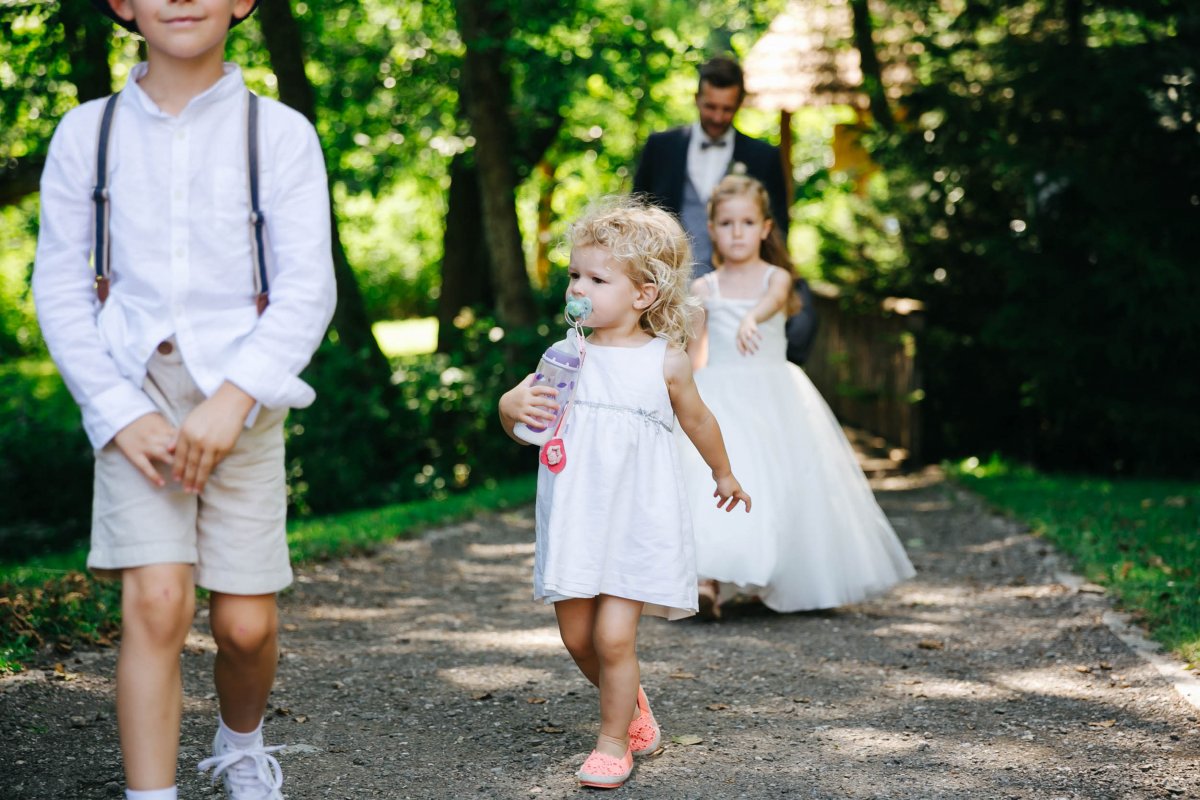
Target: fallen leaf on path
x: 717, y: 706
x: 301, y: 718
x: 1104, y: 723
x: 61, y: 673
x: 549, y: 729
x: 687, y: 739
x: 683, y: 676
x: 535, y: 701
x: 1083, y: 668
x: 931, y: 644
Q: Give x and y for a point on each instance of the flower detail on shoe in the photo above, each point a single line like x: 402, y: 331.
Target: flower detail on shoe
x: 250, y: 774
x: 644, y: 735
x: 603, y: 771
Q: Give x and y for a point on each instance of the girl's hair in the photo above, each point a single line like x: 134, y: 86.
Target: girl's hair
x: 773, y: 249
x: 652, y: 247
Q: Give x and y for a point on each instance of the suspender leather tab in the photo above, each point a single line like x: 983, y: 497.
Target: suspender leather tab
x: 100, y: 201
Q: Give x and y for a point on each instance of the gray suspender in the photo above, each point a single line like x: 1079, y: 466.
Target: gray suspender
x: 100, y: 252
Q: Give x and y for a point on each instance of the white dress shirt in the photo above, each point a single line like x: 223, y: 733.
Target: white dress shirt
x: 181, y: 256
x: 707, y: 165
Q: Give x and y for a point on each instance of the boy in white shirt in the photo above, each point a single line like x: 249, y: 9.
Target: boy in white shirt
x: 182, y: 370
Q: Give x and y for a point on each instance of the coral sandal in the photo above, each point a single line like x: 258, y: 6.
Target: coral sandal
x: 604, y: 771
x: 644, y: 735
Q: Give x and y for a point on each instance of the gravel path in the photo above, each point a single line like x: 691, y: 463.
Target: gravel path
x: 425, y: 671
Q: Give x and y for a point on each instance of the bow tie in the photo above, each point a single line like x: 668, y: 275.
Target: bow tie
x: 715, y: 143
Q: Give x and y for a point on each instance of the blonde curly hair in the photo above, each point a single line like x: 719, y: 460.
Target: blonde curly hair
x: 652, y: 247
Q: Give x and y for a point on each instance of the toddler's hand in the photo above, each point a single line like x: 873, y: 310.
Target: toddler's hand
x: 730, y: 491
x: 531, y: 403
x: 147, y: 439
x: 748, y: 336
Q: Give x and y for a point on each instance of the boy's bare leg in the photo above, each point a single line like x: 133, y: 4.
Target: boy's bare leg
x: 245, y: 628
x: 615, y: 639
x: 157, y: 605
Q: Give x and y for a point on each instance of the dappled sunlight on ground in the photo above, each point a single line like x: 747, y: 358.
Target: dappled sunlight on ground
x: 502, y: 641
x: 493, y: 677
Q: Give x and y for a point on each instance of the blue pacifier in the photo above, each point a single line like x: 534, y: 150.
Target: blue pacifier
x: 578, y: 309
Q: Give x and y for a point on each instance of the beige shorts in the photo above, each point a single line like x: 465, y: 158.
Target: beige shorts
x: 234, y: 531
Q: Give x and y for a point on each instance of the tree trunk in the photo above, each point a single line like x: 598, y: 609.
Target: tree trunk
x: 466, y: 267
x: 871, y: 70
x: 286, y: 48
x: 486, y: 94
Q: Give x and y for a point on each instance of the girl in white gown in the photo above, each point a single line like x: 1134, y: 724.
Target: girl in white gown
x: 817, y: 537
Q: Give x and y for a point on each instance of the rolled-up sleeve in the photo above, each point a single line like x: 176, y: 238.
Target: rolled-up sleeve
x: 302, y: 288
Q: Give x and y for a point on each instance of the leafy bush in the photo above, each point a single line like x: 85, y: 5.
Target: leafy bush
x: 434, y: 431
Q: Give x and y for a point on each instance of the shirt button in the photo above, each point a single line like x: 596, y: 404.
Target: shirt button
x: 165, y: 348
x: 181, y: 135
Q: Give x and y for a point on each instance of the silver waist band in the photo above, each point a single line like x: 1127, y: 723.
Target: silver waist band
x: 646, y: 416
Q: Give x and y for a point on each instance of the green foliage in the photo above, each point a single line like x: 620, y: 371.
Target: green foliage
x: 440, y: 435
x: 58, y: 612
x: 1136, y: 537
x: 1045, y: 183
x: 19, y: 334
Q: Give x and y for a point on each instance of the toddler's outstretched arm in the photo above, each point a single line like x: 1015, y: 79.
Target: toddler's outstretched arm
x: 701, y: 427
x: 779, y: 288
x: 527, y: 402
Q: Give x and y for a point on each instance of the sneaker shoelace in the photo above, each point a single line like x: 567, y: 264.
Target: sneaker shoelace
x: 250, y: 774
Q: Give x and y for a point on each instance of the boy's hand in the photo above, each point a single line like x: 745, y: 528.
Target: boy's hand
x: 208, y: 434
x: 147, y: 439
x: 748, y: 336
x: 533, y: 404
x: 730, y: 491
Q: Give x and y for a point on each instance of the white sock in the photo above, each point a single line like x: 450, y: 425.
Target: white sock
x: 240, y: 741
x: 171, y: 793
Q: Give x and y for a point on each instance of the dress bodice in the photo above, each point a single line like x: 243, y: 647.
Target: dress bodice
x: 725, y: 314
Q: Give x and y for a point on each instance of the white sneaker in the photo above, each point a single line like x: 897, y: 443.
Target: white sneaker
x: 250, y: 774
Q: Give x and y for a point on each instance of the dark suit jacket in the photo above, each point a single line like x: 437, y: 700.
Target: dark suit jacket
x: 662, y: 170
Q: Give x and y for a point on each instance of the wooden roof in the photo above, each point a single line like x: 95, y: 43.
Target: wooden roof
x: 807, y: 57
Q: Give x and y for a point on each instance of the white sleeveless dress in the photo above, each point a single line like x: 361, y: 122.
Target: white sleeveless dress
x: 615, y: 520
x: 816, y: 538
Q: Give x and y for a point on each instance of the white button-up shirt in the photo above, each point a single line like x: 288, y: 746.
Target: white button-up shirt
x: 181, y: 256
x: 707, y: 165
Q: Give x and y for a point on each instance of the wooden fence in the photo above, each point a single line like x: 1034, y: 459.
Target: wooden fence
x: 865, y: 365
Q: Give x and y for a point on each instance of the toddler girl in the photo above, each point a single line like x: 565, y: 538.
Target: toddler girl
x: 614, y: 538
x: 819, y: 539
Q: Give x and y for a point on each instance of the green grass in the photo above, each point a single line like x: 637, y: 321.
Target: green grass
x: 1139, y: 538
x: 406, y: 337
x: 51, y: 600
